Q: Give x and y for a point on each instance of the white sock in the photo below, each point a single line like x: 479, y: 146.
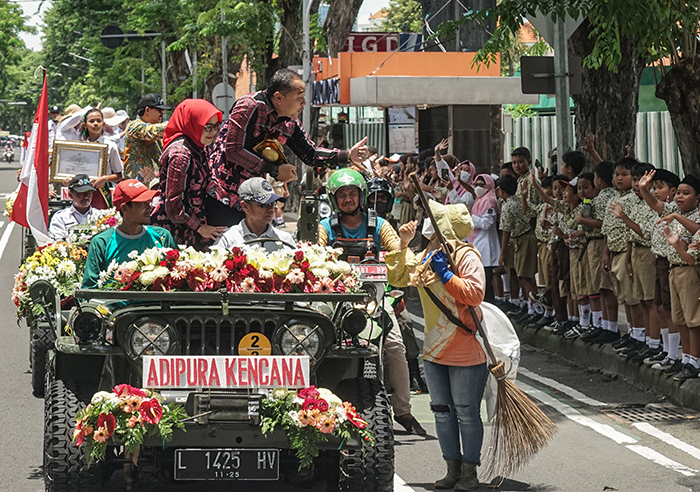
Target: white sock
x: 694, y: 361
x: 515, y: 301
x: 612, y: 326
x: 530, y: 309
x: 538, y: 307
x: 598, y: 319
x: 604, y: 324
x: 664, y: 338
x: 584, y: 312
x: 506, y: 282
x: 684, y: 358
x: 549, y: 313
x: 653, y: 342
x: 638, y: 334
x: 674, y: 343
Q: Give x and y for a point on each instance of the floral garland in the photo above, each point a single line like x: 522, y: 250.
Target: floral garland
x: 99, y: 221
x: 128, y: 414
x: 309, y: 268
x: 308, y: 416
x: 10, y: 203
x: 60, y: 263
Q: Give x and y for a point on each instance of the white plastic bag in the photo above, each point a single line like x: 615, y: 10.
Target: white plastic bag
x: 506, y: 347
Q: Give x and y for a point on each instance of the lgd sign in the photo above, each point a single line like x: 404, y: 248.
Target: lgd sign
x: 367, y: 42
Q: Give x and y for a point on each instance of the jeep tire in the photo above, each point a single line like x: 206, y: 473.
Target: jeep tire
x: 371, y: 468
x: 65, y: 464
x: 43, y: 338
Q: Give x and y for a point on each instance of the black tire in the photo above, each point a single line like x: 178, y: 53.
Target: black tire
x: 370, y: 469
x: 65, y: 464
x: 43, y: 338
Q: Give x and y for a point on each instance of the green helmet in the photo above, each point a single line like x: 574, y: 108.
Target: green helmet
x: 342, y: 178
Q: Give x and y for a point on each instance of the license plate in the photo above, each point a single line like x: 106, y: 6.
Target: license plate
x: 227, y: 464
x: 372, y: 272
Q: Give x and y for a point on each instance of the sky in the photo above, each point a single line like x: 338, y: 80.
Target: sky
x: 33, y: 41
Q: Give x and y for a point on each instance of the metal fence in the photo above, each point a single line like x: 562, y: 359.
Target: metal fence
x: 354, y: 132
x: 655, y: 141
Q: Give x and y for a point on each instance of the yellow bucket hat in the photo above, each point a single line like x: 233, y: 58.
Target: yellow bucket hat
x: 453, y: 220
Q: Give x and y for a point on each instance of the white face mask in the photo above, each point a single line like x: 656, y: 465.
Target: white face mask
x: 480, y: 191
x: 464, y: 176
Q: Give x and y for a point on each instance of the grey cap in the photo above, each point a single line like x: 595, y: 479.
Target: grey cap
x: 257, y: 190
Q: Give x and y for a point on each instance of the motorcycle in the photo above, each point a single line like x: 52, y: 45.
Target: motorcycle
x: 9, y: 155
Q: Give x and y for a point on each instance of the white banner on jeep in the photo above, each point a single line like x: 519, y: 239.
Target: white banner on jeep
x: 223, y: 371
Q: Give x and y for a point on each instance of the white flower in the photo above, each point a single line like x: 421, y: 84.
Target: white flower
x: 328, y: 395
x: 102, y: 279
x: 147, y: 278
x: 265, y: 273
x: 219, y: 274
x: 101, y: 396
x: 321, y: 272
x: 295, y: 417
x: 151, y: 256
x: 66, y: 267
x: 339, y: 267
x: 279, y: 393
x: 133, y: 255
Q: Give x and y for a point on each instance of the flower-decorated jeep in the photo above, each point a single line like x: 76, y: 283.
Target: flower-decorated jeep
x: 219, y: 384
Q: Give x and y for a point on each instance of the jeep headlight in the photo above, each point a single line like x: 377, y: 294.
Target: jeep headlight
x: 298, y: 338
x: 150, y: 336
x: 354, y: 321
x: 86, y: 322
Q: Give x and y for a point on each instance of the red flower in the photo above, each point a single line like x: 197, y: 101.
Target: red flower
x: 322, y: 405
x: 107, y: 421
x: 122, y: 390
x: 236, y: 251
x: 299, y: 256
x: 151, y: 411
x: 304, y: 266
x: 230, y: 265
x: 163, y: 263
x: 310, y: 392
x: 239, y: 261
x: 309, y: 404
x: 172, y: 255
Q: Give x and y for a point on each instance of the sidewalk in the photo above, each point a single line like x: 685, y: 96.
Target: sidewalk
x: 604, y: 359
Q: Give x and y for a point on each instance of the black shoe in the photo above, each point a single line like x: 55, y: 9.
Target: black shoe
x: 607, y: 337
x: 518, y: 318
x: 623, y: 345
x: 561, y: 328
x: 675, y: 368
x: 411, y: 425
x: 543, y: 321
x: 650, y: 361
x: 515, y: 309
x: 688, y: 372
x: 528, y: 320
x: 647, y: 352
x: 535, y: 297
x: 591, y: 335
x: 573, y: 332
x: 622, y: 341
x: 632, y: 348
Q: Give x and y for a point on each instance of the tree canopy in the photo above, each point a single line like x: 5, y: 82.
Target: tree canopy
x: 403, y: 16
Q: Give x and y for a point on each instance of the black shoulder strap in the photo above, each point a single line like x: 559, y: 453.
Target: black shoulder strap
x: 450, y: 315
x: 335, y: 225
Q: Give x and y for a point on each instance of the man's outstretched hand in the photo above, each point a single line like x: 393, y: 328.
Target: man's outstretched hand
x: 359, y: 152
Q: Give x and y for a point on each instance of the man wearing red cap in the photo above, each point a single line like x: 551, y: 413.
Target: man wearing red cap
x: 132, y: 199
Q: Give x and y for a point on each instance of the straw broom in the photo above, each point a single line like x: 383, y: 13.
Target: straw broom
x: 521, y: 428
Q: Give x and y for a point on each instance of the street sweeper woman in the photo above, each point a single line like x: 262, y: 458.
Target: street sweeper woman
x: 454, y: 361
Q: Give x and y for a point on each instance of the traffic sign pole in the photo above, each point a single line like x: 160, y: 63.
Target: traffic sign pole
x: 561, y: 85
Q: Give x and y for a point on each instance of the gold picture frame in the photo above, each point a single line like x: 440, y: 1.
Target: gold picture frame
x: 70, y: 158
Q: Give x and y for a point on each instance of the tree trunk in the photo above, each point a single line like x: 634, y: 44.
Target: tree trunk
x: 289, y: 52
x: 680, y: 88
x: 341, y: 17
x: 608, y: 106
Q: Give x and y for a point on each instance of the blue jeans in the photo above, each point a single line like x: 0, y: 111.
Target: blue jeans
x: 455, y: 399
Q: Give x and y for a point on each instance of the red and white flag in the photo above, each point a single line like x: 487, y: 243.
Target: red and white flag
x: 31, y: 208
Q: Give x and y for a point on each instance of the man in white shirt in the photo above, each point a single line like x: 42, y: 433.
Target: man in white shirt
x: 257, y: 202
x: 54, y: 117
x: 79, y: 212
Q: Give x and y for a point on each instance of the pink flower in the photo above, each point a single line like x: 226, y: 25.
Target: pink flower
x: 310, y: 392
x: 111, y: 221
x: 309, y: 404
x: 135, y: 419
x: 219, y: 274
x: 295, y: 276
x: 123, y: 390
x: 248, y: 285
x: 151, y: 411
x: 325, y: 425
x: 322, y: 405
x: 101, y: 434
x: 323, y: 286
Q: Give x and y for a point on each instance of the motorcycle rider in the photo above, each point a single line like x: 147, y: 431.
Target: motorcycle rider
x: 381, y: 199
x: 361, y: 235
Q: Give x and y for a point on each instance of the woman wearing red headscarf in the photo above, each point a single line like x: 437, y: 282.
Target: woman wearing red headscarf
x: 184, y: 173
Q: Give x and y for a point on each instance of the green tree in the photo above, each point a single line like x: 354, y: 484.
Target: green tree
x: 21, y: 86
x: 404, y: 16
x: 12, y: 23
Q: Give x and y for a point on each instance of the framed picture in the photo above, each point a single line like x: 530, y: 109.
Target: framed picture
x: 70, y: 158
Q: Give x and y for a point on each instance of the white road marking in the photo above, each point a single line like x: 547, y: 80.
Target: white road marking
x: 562, y: 388
x: 660, y: 459
x: 573, y: 414
x: 606, y: 431
x: 400, y: 485
x: 668, y: 439
x: 6, y: 237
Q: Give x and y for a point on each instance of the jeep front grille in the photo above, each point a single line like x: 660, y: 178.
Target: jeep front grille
x: 219, y: 336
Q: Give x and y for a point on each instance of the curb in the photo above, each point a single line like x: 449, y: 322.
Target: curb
x: 604, y: 359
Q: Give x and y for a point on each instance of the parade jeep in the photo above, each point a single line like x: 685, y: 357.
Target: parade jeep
x: 169, y: 341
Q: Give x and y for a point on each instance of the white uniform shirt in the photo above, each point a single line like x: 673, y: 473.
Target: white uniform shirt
x: 114, y: 160
x: 65, y: 219
x: 237, y: 235
x: 487, y: 240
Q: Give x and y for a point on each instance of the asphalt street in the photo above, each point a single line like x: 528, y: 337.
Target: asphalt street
x: 611, y: 435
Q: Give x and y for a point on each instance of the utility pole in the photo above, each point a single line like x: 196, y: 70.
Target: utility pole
x: 561, y: 86
x: 224, y: 65
x: 306, y: 63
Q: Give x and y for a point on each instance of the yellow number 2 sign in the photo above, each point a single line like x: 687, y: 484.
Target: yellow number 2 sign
x: 254, y: 344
